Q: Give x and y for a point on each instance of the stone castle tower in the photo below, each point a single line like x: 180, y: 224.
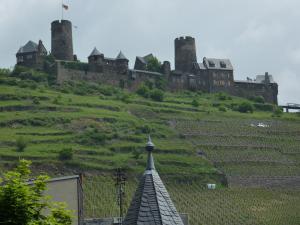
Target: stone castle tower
x: 185, y: 54
x: 61, y: 40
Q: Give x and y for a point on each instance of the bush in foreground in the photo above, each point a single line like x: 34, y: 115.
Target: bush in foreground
x: 23, y: 204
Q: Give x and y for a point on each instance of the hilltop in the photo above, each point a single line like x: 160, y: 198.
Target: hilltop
x: 94, y: 128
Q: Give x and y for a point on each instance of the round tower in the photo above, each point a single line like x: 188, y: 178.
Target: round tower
x: 61, y: 40
x: 185, y: 53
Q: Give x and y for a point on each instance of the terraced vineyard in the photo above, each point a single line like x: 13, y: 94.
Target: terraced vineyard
x: 249, y: 206
x: 256, y: 169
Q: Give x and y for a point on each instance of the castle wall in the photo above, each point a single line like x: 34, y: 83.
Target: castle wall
x: 220, y: 80
x: 107, y: 77
x: 250, y: 89
x: 32, y: 60
x: 130, y: 80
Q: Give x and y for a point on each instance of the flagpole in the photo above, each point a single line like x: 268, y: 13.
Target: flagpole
x: 62, y: 9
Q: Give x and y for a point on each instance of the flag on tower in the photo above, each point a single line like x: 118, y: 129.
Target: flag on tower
x: 65, y: 6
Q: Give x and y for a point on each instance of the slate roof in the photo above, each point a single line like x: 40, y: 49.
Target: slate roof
x: 219, y: 64
x: 29, y: 47
x: 145, y: 58
x: 121, y: 56
x: 95, y: 52
x: 151, y: 204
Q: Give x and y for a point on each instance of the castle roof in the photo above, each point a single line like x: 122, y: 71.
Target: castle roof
x: 95, y: 52
x: 121, y: 56
x: 145, y: 59
x: 30, y: 47
x: 217, y: 64
x: 151, y: 203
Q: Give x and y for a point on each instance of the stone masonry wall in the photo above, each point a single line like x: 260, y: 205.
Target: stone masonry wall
x: 247, y: 89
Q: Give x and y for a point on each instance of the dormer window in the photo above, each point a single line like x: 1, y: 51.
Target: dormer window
x: 211, y: 63
x: 223, y: 64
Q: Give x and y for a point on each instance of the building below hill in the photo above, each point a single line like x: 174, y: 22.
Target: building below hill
x: 211, y: 75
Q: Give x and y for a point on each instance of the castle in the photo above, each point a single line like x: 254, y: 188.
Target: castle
x: 211, y: 75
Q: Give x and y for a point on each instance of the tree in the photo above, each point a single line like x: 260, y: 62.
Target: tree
x: 153, y: 64
x: 24, y: 204
x: 195, y: 103
x: 21, y: 144
x: 157, y: 95
x: 245, y: 107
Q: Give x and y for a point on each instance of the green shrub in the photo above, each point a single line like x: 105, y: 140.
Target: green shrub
x: 222, y: 96
x: 277, y: 112
x: 66, y: 154
x: 21, y: 144
x: 195, y: 103
x: 27, y: 84
x: 92, y: 136
x: 143, y: 91
x: 258, y: 99
x: 264, y: 107
x: 157, y: 95
x: 25, y: 73
x: 222, y: 109
x: 216, y: 104
x: 4, y: 72
x: 245, y: 107
x: 75, y: 65
x: 36, y: 101
x: 146, y: 129
x: 161, y: 83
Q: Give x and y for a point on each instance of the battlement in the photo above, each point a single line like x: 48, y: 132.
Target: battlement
x: 185, y: 39
x: 61, y: 22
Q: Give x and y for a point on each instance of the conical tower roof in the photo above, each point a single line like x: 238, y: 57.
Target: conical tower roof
x: 95, y: 52
x: 121, y: 56
x: 151, y: 203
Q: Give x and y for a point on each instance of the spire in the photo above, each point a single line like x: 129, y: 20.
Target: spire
x: 121, y: 56
x: 95, y: 52
x: 151, y: 203
x: 150, y: 148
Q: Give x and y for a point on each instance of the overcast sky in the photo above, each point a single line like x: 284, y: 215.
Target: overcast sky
x: 256, y: 35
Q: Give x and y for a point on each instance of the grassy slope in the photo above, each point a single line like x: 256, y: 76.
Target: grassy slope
x: 196, y: 143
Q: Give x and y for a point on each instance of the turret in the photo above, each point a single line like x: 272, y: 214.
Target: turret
x: 185, y: 54
x: 166, y: 68
x: 61, y: 40
x: 122, y: 63
x: 96, y: 61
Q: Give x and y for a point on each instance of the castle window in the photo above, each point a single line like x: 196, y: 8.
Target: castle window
x: 20, y: 59
x: 211, y: 63
x: 223, y: 64
x: 29, y: 57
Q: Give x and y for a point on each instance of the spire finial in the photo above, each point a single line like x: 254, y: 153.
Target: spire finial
x: 150, y: 145
x: 150, y: 148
